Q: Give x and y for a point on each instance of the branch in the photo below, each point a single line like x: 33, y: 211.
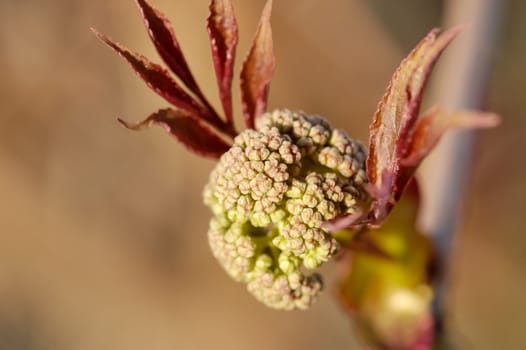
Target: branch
x: 445, y: 173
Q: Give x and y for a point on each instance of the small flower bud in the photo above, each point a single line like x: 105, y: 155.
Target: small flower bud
x: 270, y: 194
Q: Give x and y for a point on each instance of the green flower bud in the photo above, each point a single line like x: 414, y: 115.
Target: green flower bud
x: 270, y: 194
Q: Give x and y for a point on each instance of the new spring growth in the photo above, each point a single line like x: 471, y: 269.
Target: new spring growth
x: 282, y: 186
x: 270, y: 194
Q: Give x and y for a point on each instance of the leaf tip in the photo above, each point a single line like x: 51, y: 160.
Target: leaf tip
x: 143, y: 5
x: 452, y: 33
x: 98, y: 34
x: 134, y: 126
x: 124, y: 123
x: 106, y: 40
x: 491, y: 120
x: 458, y: 28
x: 258, y: 69
x: 267, y: 10
x: 475, y: 119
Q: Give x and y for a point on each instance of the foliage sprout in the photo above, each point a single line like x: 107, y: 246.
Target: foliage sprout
x: 290, y: 192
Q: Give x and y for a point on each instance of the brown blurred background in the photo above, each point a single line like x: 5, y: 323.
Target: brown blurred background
x: 102, y: 230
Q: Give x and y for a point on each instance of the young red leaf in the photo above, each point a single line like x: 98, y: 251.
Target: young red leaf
x: 396, y: 115
x: 191, y: 132
x: 399, y: 107
x: 257, y: 70
x: 159, y: 80
x: 163, y: 37
x: 222, y: 30
x: 418, y: 80
x: 426, y: 133
x: 433, y: 125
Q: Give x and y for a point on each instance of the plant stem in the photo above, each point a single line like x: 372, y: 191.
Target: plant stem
x: 462, y: 85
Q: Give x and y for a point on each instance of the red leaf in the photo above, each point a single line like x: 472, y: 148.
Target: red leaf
x: 433, y: 125
x: 191, y: 132
x: 399, y: 107
x: 426, y: 133
x: 163, y: 37
x: 159, y: 80
x: 222, y: 30
x: 257, y: 70
x: 395, y: 118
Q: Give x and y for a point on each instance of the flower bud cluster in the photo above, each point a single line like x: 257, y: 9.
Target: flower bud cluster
x: 270, y: 194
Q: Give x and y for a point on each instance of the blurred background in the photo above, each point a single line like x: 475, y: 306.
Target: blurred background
x: 103, y: 231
